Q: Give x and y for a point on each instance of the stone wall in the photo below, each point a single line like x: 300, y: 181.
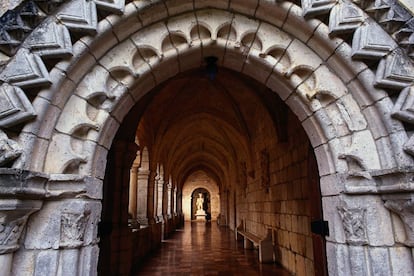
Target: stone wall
x: 284, y: 204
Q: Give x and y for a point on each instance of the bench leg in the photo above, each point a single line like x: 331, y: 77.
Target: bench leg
x: 266, y: 252
x: 248, y: 244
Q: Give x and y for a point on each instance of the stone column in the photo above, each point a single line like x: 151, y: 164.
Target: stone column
x: 169, y: 195
x: 142, y: 196
x: 371, y: 222
x: 132, y: 206
x: 160, y: 191
x: 174, y: 202
x: 151, y: 208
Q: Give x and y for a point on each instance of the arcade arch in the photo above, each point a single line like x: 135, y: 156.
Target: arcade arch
x: 362, y: 151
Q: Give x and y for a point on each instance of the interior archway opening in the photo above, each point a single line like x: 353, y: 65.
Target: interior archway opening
x: 239, y: 134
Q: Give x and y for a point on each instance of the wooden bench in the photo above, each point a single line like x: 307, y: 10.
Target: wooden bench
x: 251, y: 241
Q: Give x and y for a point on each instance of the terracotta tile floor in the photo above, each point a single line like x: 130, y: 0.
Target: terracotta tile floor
x: 205, y: 249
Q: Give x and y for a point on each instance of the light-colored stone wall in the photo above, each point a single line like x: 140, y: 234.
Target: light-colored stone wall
x: 285, y: 206
x: 200, y: 180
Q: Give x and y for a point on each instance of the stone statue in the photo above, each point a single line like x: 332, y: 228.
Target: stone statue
x: 200, y: 201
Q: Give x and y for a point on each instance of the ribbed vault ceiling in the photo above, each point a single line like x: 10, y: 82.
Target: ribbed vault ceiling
x: 197, y: 123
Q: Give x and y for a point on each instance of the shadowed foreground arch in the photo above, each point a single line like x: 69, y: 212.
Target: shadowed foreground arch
x: 57, y: 142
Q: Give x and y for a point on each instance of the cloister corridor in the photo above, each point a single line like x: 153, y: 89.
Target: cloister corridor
x: 220, y: 137
x: 205, y: 249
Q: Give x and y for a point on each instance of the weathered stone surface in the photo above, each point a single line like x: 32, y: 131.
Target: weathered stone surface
x: 50, y: 40
x: 316, y: 7
x: 15, y: 108
x: 404, y: 207
x: 49, y: 229
x: 79, y: 15
x: 371, y: 42
x: 345, y: 17
x: 25, y: 70
x: 395, y: 71
x: 347, y: 140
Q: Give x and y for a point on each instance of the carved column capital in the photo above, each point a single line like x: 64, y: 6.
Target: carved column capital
x: 21, y: 194
x: 13, y: 218
x: 403, y: 206
x: 73, y: 227
x: 354, y: 224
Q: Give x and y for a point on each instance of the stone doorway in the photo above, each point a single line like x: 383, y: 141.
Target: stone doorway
x: 235, y: 143
x: 61, y: 116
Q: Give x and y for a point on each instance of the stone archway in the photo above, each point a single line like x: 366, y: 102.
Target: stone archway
x: 200, y: 180
x: 362, y: 148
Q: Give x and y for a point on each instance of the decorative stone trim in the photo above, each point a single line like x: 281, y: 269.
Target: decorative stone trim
x: 403, y: 206
x: 353, y: 220
x: 14, y: 214
x: 380, y: 182
x: 15, y: 108
x: 394, y: 70
x: 73, y: 227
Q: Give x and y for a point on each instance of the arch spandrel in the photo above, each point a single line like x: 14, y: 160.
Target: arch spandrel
x: 354, y: 126
x: 306, y: 75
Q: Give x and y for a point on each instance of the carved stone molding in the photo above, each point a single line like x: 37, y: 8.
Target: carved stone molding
x: 14, y: 106
x: 390, y: 181
x: 21, y: 194
x: 354, y: 224
x: 13, y: 218
x: 73, y: 227
x: 403, y: 206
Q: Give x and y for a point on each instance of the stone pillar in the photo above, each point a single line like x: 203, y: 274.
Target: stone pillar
x: 133, y: 189
x: 175, y: 201
x: 169, y: 199
x: 160, y: 197
x: 371, y: 223
x: 142, y: 196
x: 151, y: 208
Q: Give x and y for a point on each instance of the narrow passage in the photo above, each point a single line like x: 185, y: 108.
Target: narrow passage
x: 205, y: 249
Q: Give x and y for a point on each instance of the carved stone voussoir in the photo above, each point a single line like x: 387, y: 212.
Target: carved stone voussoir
x: 50, y: 40
x: 371, y: 42
x: 14, y: 106
x: 404, y: 107
x: 79, y: 15
x: 115, y: 6
x: 395, y: 71
x: 345, y: 18
x: 316, y: 7
x: 25, y: 70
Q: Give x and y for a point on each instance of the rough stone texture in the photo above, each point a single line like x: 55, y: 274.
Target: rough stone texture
x: 354, y: 127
